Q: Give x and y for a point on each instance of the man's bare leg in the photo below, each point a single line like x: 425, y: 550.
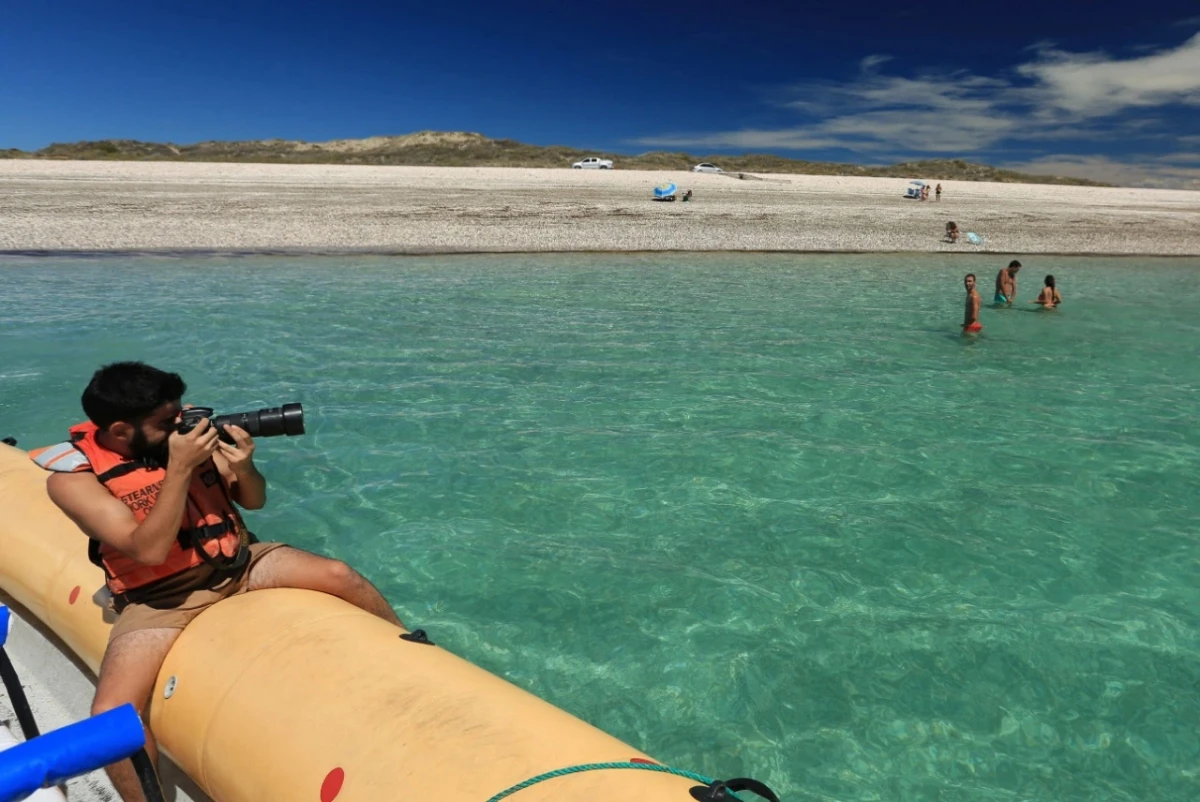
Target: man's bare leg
x: 127, y: 674
x: 288, y: 567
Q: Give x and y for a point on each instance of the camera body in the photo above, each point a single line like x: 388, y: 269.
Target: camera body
x: 268, y: 422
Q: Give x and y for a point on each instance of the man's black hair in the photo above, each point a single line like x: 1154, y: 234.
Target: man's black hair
x: 129, y: 392
x: 1014, y: 263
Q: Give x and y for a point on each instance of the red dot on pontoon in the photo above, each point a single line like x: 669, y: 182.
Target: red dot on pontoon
x: 332, y: 785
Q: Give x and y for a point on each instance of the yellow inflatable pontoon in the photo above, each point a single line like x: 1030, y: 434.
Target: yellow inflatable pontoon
x: 291, y: 696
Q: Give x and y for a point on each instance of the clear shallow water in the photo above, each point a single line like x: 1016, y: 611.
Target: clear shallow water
x: 757, y: 515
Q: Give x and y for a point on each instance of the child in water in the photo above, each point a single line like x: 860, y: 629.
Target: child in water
x: 1049, y: 297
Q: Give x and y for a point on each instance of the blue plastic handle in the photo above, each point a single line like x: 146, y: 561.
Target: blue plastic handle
x: 70, y: 751
x: 4, y: 622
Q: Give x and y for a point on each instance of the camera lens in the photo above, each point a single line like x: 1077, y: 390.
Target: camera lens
x: 270, y: 422
x: 275, y: 421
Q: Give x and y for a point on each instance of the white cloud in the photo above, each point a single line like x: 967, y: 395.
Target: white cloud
x: 878, y: 114
x: 1054, y: 95
x: 871, y: 62
x: 1092, y: 85
x: 1162, y: 171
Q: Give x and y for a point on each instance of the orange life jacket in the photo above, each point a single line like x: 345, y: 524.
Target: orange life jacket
x: 212, y: 530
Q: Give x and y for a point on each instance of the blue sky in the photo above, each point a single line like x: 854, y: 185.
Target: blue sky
x: 1079, y: 87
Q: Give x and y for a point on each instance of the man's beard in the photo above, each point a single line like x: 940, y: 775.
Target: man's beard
x: 156, y: 455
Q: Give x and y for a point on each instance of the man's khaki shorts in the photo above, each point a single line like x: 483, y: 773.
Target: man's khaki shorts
x: 177, y: 611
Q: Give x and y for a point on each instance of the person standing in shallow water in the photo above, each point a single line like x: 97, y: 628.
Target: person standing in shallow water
x: 1006, y: 284
x: 971, y: 324
x: 1049, y: 297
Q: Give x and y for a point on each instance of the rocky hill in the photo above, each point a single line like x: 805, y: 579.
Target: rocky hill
x: 455, y: 149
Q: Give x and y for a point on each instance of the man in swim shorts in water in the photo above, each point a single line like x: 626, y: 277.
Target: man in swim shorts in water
x: 971, y: 324
x: 1006, y: 284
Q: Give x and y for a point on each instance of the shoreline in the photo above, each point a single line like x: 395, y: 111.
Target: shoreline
x: 175, y: 253
x: 79, y: 208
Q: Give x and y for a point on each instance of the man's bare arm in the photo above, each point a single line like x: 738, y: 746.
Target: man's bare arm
x: 247, y: 486
x: 104, y: 517
x: 236, y: 463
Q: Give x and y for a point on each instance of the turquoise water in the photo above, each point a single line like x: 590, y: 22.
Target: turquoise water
x: 765, y: 516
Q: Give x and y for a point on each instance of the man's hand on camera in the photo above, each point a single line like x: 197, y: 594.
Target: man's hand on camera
x: 240, y: 456
x: 190, y: 451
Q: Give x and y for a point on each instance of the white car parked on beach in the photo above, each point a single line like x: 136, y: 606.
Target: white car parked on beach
x: 705, y: 167
x: 593, y: 163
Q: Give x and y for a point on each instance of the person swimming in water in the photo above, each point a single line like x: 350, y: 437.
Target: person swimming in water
x: 971, y: 324
x: 1050, y: 296
x: 1006, y: 284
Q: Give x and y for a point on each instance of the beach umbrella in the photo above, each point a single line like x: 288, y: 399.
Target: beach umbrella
x: 918, y: 183
x: 665, y: 190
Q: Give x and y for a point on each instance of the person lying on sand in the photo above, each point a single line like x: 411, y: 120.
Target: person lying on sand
x: 1049, y: 297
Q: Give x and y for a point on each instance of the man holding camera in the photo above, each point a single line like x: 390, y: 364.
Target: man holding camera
x: 161, y: 509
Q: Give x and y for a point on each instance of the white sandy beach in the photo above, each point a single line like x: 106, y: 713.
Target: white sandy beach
x: 148, y: 206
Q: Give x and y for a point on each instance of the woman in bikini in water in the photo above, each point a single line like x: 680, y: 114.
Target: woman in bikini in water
x: 1050, y: 296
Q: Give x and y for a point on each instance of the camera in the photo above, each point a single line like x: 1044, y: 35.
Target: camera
x: 270, y: 422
